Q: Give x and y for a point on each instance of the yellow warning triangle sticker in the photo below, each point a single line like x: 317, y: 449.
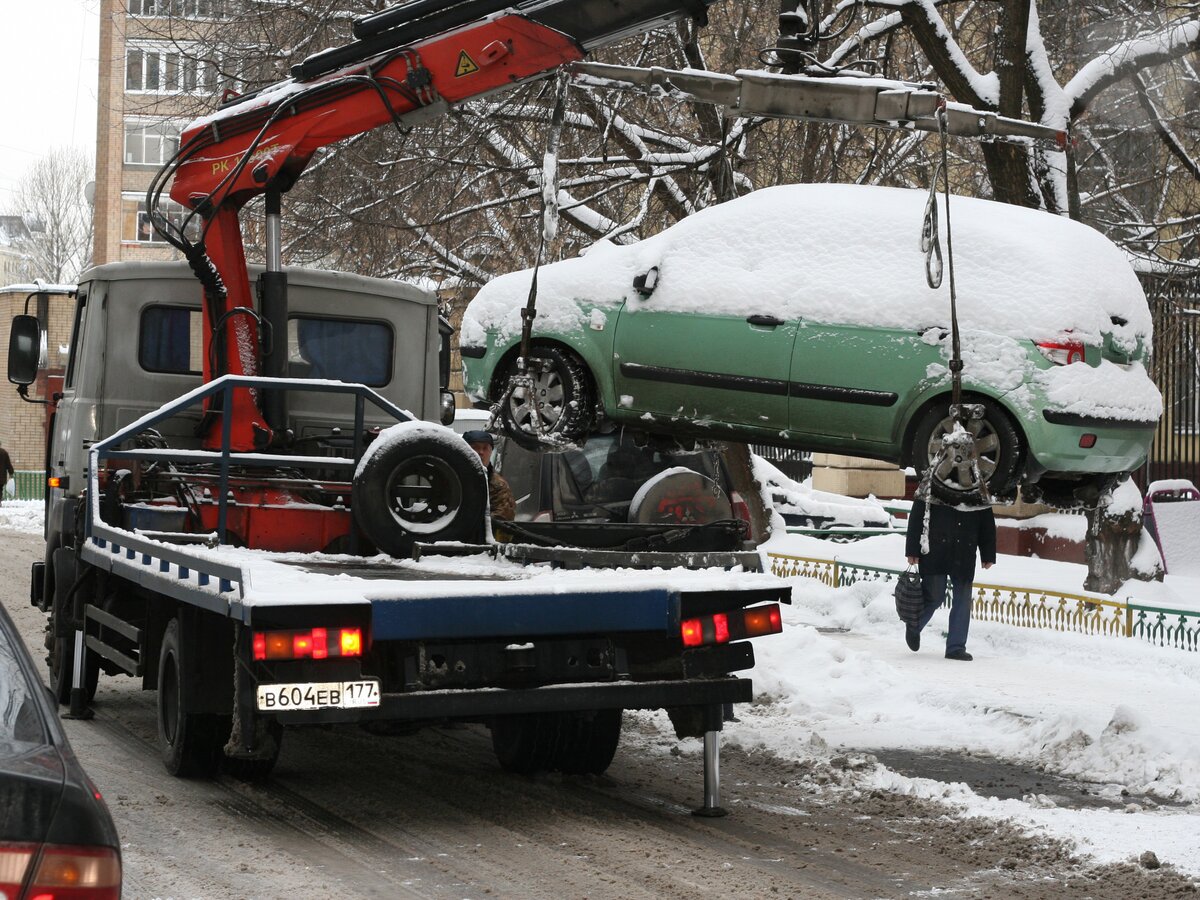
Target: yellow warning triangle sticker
x: 466, y: 65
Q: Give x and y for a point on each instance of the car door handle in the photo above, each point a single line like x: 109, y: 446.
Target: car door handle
x: 765, y: 321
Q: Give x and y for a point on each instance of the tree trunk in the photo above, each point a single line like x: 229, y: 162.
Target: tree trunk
x: 1113, y: 535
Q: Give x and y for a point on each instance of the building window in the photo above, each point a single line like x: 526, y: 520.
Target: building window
x: 178, y: 9
x: 135, y: 220
x: 150, y: 143
x: 168, y: 69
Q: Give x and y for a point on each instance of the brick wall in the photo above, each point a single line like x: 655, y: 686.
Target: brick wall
x: 23, y: 425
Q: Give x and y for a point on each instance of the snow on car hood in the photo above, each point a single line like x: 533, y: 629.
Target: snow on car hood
x: 845, y: 254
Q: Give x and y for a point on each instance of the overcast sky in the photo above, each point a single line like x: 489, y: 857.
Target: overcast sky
x: 48, y: 54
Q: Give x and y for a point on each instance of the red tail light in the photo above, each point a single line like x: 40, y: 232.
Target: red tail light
x: 741, y: 509
x: 315, y: 643
x: 60, y: 872
x: 1062, y: 353
x: 721, y: 628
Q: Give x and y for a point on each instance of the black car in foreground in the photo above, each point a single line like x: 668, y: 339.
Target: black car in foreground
x: 57, y: 839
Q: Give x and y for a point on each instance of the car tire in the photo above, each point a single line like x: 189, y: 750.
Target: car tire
x: 563, y: 400
x: 451, y: 477
x: 999, y: 445
x: 191, y: 744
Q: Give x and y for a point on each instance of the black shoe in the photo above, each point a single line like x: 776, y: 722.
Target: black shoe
x: 912, y: 637
x: 961, y: 655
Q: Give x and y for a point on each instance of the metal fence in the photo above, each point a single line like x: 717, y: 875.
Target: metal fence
x: 1024, y: 607
x: 1175, y: 366
x: 30, y: 485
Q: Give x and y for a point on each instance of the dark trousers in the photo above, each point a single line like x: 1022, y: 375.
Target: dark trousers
x: 934, y: 589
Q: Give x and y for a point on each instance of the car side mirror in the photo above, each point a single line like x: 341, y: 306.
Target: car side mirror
x: 24, y: 348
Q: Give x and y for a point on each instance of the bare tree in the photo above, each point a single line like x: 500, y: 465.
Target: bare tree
x: 50, y: 198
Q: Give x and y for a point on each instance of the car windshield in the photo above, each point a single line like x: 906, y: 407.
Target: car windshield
x: 596, y: 482
x: 21, y: 727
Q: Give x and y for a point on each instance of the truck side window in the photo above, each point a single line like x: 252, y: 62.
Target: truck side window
x: 352, y: 350
x: 76, y: 337
x: 169, y: 340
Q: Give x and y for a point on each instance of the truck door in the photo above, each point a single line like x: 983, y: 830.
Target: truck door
x: 728, y: 369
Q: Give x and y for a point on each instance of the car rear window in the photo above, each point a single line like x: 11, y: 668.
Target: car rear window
x: 596, y: 482
x: 21, y: 726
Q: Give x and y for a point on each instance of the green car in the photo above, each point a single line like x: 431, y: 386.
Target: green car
x: 801, y: 316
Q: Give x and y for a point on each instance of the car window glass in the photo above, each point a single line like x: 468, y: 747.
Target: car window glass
x: 349, y: 350
x: 21, y: 727
x: 169, y: 340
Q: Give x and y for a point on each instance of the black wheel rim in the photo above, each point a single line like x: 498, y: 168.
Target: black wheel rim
x: 424, y: 494
x: 539, y: 409
x: 954, y: 472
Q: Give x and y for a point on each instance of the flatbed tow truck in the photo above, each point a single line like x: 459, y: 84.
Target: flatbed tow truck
x: 235, y: 534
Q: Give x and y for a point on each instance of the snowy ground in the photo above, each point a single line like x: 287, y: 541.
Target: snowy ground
x: 1116, y: 713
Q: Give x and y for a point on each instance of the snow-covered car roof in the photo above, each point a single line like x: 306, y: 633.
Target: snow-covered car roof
x: 847, y: 254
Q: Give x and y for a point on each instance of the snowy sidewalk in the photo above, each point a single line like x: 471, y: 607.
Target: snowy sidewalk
x: 1110, y: 710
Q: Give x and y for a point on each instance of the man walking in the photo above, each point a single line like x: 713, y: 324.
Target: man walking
x: 955, y: 534
x: 6, y: 471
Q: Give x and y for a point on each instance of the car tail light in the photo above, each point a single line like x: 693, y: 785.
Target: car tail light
x: 721, y: 628
x: 60, y: 872
x: 1062, y: 353
x: 313, y: 643
x: 1087, y: 441
x: 741, y: 509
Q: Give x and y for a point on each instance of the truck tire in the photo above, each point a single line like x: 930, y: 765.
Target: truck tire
x: 419, y: 486
x: 61, y: 658
x: 191, y: 743
x: 572, y: 743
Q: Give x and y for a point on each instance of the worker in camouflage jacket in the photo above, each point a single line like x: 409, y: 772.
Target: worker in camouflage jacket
x: 500, y: 495
x: 943, y: 545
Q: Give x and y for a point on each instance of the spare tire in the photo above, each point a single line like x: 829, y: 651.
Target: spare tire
x: 680, y: 495
x: 420, y: 482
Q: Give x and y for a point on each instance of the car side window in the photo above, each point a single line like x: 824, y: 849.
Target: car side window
x: 169, y: 340
x: 351, y: 350
x: 21, y: 727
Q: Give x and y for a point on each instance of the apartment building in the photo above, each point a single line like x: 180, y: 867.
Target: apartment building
x: 152, y: 82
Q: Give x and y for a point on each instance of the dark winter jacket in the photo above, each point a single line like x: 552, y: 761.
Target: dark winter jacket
x: 6, y: 467
x: 954, y: 536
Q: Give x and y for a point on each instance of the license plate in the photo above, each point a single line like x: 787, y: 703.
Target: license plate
x: 327, y: 695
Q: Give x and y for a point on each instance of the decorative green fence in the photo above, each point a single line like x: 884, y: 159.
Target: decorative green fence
x: 1025, y: 607
x: 30, y: 485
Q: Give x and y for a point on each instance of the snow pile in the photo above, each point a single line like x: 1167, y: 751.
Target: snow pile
x: 1109, y: 391
x: 846, y: 254
x: 789, y: 497
x: 24, y: 516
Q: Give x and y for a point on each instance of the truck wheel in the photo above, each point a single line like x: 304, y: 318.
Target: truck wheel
x: 191, y: 744
x: 61, y: 660
x: 589, y: 742
x: 61, y: 663
x: 559, y: 408
x: 525, y: 744
x: 418, y: 486
x: 996, y: 441
x: 573, y: 743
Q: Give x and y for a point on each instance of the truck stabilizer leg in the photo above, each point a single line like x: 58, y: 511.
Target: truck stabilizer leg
x: 712, y: 808
x: 79, y: 708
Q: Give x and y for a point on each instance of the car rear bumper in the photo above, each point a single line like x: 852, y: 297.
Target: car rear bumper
x: 1120, y: 446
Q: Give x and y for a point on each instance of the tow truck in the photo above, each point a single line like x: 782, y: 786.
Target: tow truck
x: 265, y: 550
